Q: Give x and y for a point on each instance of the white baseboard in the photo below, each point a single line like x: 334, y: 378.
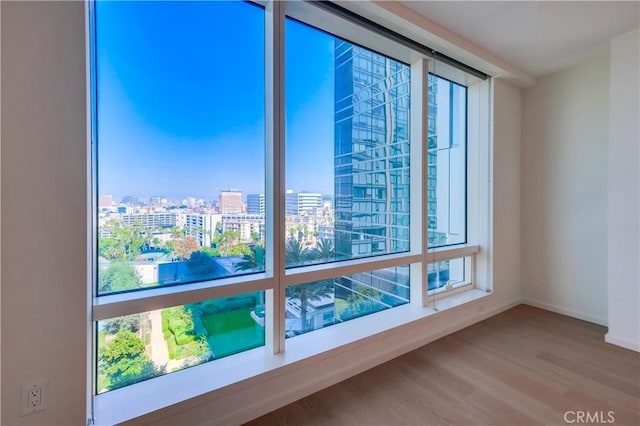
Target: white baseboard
x: 620, y: 341
x: 564, y: 311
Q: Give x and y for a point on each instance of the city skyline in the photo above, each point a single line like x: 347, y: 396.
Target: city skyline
x: 213, y: 199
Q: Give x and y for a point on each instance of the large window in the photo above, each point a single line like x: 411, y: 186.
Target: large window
x: 141, y: 346
x: 261, y: 172
x: 347, y: 146
x: 447, y: 177
x: 180, y: 142
x: 446, y: 162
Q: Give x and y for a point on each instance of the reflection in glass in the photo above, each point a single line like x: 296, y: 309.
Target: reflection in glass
x: 446, y: 162
x: 314, y: 305
x: 347, y: 141
x: 447, y: 274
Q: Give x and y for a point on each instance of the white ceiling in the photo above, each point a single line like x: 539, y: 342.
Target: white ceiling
x: 538, y: 37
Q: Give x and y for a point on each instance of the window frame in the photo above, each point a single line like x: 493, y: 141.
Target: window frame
x: 465, y: 178
x: 276, y: 277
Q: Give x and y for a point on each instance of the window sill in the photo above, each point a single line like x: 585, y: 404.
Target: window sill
x: 254, y: 366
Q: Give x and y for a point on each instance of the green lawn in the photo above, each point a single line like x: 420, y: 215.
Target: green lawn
x: 232, y: 332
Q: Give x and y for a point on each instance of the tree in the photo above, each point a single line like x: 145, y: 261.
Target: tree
x: 294, y: 253
x: 305, y: 293
x: 210, y: 251
x: 126, y: 241
x: 131, y: 239
x: 253, y: 261
x: 302, y: 232
x: 111, y: 248
x: 176, y: 232
x: 127, y: 322
x: 362, y: 300
x: 185, y: 246
x: 202, y: 264
x: 118, y: 276
x: 324, y: 250
x: 157, y: 243
x: 227, y: 243
x: 238, y: 250
x: 124, y: 362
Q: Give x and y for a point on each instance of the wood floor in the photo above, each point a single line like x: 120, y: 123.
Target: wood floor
x: 525, y: 366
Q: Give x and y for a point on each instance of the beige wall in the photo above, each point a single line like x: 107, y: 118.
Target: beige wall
x: 564, y: 184
x: 507, y: 130
x: 623, y: 189
x: 44, y: 291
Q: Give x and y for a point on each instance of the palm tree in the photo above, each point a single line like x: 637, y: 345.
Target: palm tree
x: 305, y: 293
x: 294, y: 253
x: 324, y: 250
x: 362, y: 300
x: 253, y: 261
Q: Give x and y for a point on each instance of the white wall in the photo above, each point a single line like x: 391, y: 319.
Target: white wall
x: 44, y: 291
x: 564, y: 198
x: 44, y: 295
x: 623, y: 188
x: 507, y: 130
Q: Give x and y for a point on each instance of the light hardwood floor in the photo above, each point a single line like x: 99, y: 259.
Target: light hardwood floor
x: 525, y: 366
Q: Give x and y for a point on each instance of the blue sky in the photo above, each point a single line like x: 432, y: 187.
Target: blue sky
x: 181, y: 100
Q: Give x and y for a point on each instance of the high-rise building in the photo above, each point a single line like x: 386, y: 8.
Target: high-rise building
x: 230, y: 201
x: 150, y: 220
x: 371, y: 151
x: 302, y: 203
x: 446, y: 194
x: 202, y: 227
x: 190, y: 202
x: 439, y: 141
x: 250, y: 227
x: 255, y: 204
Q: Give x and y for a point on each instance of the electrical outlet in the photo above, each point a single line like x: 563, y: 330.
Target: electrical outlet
x: 33, y: 396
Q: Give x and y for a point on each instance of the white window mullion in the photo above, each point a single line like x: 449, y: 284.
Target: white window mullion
x: 479, y: 180
x: 450, y: 253
x: 120, y: 304
x: 275, y: 159
x: 92, y: 209
x: 331, y: 270
x: 418, y: 180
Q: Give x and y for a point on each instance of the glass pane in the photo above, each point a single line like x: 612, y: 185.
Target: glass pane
x: 138, y: 347
x: 446, y: 162
x: 448, y: 274
x: 347, y: 143
x: 180, y: 121
x: 319, y: 304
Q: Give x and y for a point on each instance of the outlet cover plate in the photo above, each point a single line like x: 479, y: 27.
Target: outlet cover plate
x: 27, y: 404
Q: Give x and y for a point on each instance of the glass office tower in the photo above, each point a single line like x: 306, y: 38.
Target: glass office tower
x: 371, y: 153
x: 371, y: 168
